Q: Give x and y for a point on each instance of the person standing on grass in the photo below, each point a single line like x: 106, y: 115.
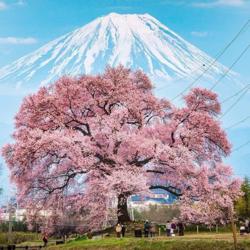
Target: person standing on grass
x: 180, y: 226
x: 172, y: 230
x: 118, y: 230
x: 146, y: 228
x: 168, y: 228
x: 89, y: 234
x: 45, y: 240
x: 123, y: 230
x: 152, y: 230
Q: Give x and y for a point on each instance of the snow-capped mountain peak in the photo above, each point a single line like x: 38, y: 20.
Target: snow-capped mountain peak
x: 136, y: 41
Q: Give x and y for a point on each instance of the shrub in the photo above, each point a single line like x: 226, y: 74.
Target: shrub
x: 81, y: 237
x: 18, y: 237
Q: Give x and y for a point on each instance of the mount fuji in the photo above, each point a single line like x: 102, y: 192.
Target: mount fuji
x: 135, y: 41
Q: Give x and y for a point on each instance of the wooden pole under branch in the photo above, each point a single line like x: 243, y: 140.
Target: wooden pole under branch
x: 233, y: 228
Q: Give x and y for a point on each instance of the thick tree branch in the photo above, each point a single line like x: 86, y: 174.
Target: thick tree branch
x: 170, y: 189
x: 140, y: 163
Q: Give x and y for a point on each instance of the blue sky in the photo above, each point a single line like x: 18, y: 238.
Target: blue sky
x: 27, y: 24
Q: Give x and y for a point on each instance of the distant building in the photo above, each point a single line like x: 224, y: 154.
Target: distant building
x: 12, y: 211
x: 16, y: 214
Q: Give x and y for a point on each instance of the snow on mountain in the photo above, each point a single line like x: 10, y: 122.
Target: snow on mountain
x: 136, y: 41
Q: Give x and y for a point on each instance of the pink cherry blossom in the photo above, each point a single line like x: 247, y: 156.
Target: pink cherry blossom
x: 85, y: 144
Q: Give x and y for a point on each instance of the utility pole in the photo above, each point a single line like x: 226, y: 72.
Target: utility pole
x: 197, y: 229
x: 234, y: 230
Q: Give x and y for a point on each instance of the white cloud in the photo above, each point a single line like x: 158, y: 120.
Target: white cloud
x: 3, y: 5
x: 218, y: 3
x: 20, y: 2
x: 199, y: 33
x: 17, y: 40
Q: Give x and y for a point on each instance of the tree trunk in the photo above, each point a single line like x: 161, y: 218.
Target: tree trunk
x: 122, y: 212
x: 234, y: 234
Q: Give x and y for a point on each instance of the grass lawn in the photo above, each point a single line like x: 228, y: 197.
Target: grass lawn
x: 189, y: 242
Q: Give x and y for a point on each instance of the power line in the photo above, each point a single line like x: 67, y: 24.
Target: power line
x: 215, y: 60
x: 232, y: 65
x: 241, y: 146
x: 225, y: 73
x: 237, y: 93
x: 239, y: 122
x: 234, y: 104
x: 183, y: 77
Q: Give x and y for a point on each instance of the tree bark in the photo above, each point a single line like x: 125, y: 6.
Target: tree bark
x: 122, y: 209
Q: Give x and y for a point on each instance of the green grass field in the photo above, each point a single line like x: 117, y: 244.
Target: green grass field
x: 189, y: 242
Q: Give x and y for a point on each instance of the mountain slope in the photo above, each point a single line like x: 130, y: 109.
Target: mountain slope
x: 136, y: 41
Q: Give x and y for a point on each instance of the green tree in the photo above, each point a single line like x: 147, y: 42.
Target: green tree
x: 243, y: 204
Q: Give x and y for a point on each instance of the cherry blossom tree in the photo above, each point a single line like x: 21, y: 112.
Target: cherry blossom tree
x: 86, y: 143
x: 215, y: 195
